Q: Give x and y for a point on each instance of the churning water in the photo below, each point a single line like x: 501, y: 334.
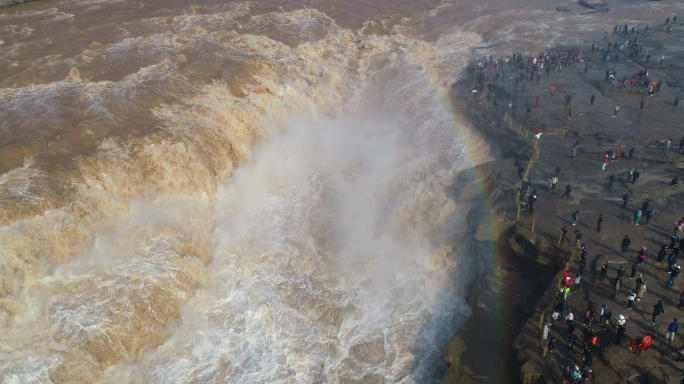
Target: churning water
x: 234, y: 192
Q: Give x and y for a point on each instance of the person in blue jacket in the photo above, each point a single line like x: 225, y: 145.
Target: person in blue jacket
x: 671, y: 330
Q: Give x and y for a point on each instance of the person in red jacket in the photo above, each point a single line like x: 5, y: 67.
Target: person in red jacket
x: 553, y: 91
x: 641, y: 256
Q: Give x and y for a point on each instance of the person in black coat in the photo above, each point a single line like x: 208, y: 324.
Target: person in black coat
x: 604, y: 271
x: 657, y: 310
x: 625, y: 244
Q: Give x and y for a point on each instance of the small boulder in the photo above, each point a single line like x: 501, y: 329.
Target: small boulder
x: 530, y: 372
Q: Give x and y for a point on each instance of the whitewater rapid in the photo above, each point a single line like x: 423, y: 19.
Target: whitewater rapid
x: 243, y: 192
x: 228, y: 196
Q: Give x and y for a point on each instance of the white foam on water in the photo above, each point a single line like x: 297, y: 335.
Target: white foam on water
x: 327, y: 256
x: 317, y: 276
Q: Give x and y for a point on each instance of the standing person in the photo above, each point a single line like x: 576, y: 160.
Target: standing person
x: 641, y: 289
x: 662, y: 253
x: 672, y: 330
x: 536, y: 104
x: 563, y: 235
x: 599, y: 222
x: 630, y: 299
x: 571, y: 338
x: 680, y: 358
x: 576, y: 285
x: 635, y: 266
x: 554, y: 181
x: 648, y: 214
x: 588, y: 317
x: 586, y: 370
x: 558, y: 166
x: 671, y: 261
x: 593, y: 97
x: 574, y: 218
x: 552, y: 345
x: 673, y: 275
x: 604, y: 271
x: 550, y: 183
x: 681, y: 300
x: 630, y: 173
x: 546, y: 330
x: 602, y: 314
x: 657, y: 310
x: 615, y: 111
x: 564, y: 308
x: 681, y: 143
x: 631, y: 153
x: 611, y: 179
x: 625, y: 198
x: 621, y: 328
x: 641, y: 103
x: 637, y: 217
x: 605, y: 162
x: 568, y: 189
x: 636, y: 176
x: 609, y: 318
x: 667, y: 144
x: 641, y: 256
x: 625, y: 244
x: 578, y: 237
x: 553, y: 91
x: 644, y: 343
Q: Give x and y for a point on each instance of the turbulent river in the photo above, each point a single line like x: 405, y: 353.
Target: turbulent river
x: 239, y: 192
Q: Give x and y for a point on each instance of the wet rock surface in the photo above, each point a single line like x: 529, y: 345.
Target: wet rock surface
x: 592, y: 3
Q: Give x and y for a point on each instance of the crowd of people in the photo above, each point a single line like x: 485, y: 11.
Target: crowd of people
x: 533, y: 68
x: 563, y: 316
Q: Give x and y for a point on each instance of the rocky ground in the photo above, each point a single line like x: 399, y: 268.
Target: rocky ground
x: 508, y: 303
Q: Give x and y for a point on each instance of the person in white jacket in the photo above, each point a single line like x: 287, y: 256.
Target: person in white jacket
x: 630, y: 299
x: 546, y: 330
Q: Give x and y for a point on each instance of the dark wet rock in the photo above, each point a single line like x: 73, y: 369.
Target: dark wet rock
x: 13, y: 2
x: 597, y: 10
x: 563, y: 9
x: 593, y: 4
